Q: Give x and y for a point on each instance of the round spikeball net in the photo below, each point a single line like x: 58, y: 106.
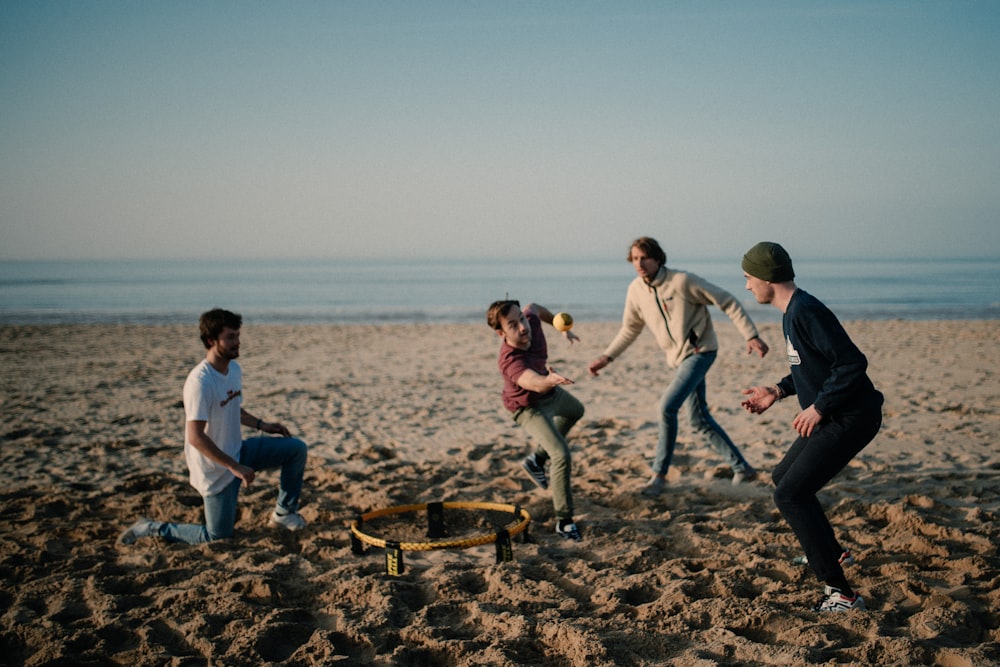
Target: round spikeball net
x: 477, y: 522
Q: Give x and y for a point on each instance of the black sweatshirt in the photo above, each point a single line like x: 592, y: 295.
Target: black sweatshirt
x: 828, y: 370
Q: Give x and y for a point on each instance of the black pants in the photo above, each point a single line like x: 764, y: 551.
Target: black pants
x: 809, y: 464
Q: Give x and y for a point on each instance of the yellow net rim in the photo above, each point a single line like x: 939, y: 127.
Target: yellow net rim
x: 518, y: 525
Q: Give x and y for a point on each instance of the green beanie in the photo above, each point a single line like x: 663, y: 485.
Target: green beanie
x: 768, y: 261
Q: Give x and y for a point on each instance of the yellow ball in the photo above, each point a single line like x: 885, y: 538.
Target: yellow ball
x: 562, y: 321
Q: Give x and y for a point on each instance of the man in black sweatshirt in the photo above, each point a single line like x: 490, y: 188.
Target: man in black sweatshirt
x: 841, y: 412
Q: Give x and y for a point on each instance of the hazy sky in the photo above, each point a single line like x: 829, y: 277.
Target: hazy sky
x: 457, y: 129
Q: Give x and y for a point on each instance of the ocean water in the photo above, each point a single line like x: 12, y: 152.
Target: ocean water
x: 349, y: 291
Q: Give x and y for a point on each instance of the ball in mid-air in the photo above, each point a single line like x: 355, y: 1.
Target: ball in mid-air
x: 562, y: 321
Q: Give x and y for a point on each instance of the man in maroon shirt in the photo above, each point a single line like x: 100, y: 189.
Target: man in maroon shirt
x: 533, y: 393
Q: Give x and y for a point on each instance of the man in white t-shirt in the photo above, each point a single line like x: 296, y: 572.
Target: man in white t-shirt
x: 219, y: 460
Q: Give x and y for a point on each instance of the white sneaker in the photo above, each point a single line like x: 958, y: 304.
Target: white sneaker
x: 653, y: 487
x: 142, y: 528
x: 846, y: 558
x: 290, y: 521
x: 834, y: 600
x: 568, y: 530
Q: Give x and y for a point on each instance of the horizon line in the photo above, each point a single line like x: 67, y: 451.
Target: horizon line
x: 471, y: 258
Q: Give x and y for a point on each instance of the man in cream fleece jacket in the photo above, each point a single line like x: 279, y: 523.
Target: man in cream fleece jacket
x: 674, y: 306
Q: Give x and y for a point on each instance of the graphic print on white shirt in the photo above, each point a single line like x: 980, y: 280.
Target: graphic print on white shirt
x: 793, y: 354
x: 212, y: 397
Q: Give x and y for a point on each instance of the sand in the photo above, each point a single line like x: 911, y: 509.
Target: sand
x: 394, y: 415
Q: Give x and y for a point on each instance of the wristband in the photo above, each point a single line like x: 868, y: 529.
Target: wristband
x: 259, y: 422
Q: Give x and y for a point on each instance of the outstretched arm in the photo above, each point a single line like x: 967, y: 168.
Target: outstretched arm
x: 536, y: 382
x: 546, y: 315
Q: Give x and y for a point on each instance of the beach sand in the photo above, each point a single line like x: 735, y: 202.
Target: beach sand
x: 404, y: 414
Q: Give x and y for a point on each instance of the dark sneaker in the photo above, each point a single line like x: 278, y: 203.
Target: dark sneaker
x: 141, y: 528
x: 536, y: 471
x: 568, y: 530
x: 290, y: 521
x: 846, y: 558
x: 748, y: 474
x: 834, y: 600
x: 653, y: 487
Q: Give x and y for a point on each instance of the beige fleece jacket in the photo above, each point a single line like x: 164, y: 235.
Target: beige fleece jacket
x: 675, y: 308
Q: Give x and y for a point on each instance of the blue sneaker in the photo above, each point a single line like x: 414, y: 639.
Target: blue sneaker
x: 536, y: 471
x: 567, y: 529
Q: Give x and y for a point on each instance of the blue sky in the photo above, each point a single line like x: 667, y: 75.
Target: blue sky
x: 461, y: 129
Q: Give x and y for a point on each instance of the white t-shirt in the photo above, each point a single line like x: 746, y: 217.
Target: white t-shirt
x: 215, y: 398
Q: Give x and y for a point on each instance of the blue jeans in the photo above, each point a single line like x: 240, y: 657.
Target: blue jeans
x: 259, y: 453
x: 809, y: 464
x: 548, y: 422
x: 688, y: 388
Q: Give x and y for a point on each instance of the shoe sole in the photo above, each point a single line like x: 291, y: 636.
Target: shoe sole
x: 129, y: 535
x: 290, y: 529
x: 278, y: 524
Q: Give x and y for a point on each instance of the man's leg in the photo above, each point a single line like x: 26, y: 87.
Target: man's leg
x: 703, y: 422
x: 290, y: 454
x: 220, y: 519
x: 686, y: 379
x: 544, y: 431
x: 807, y: 467
x: 565, y: 409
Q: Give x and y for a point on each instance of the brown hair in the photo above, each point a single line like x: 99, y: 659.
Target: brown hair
x: 214, y: 321
x: 498, y: 310
x: 648, y: 245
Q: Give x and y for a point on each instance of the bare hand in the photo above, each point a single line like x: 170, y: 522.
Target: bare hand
x: 275, y: 428
x: 757, y: 345
x: 598, y: 364
x: 807, y: 421
x: 245, y: 473
x: 556, y: 379
x: 761, y: 398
